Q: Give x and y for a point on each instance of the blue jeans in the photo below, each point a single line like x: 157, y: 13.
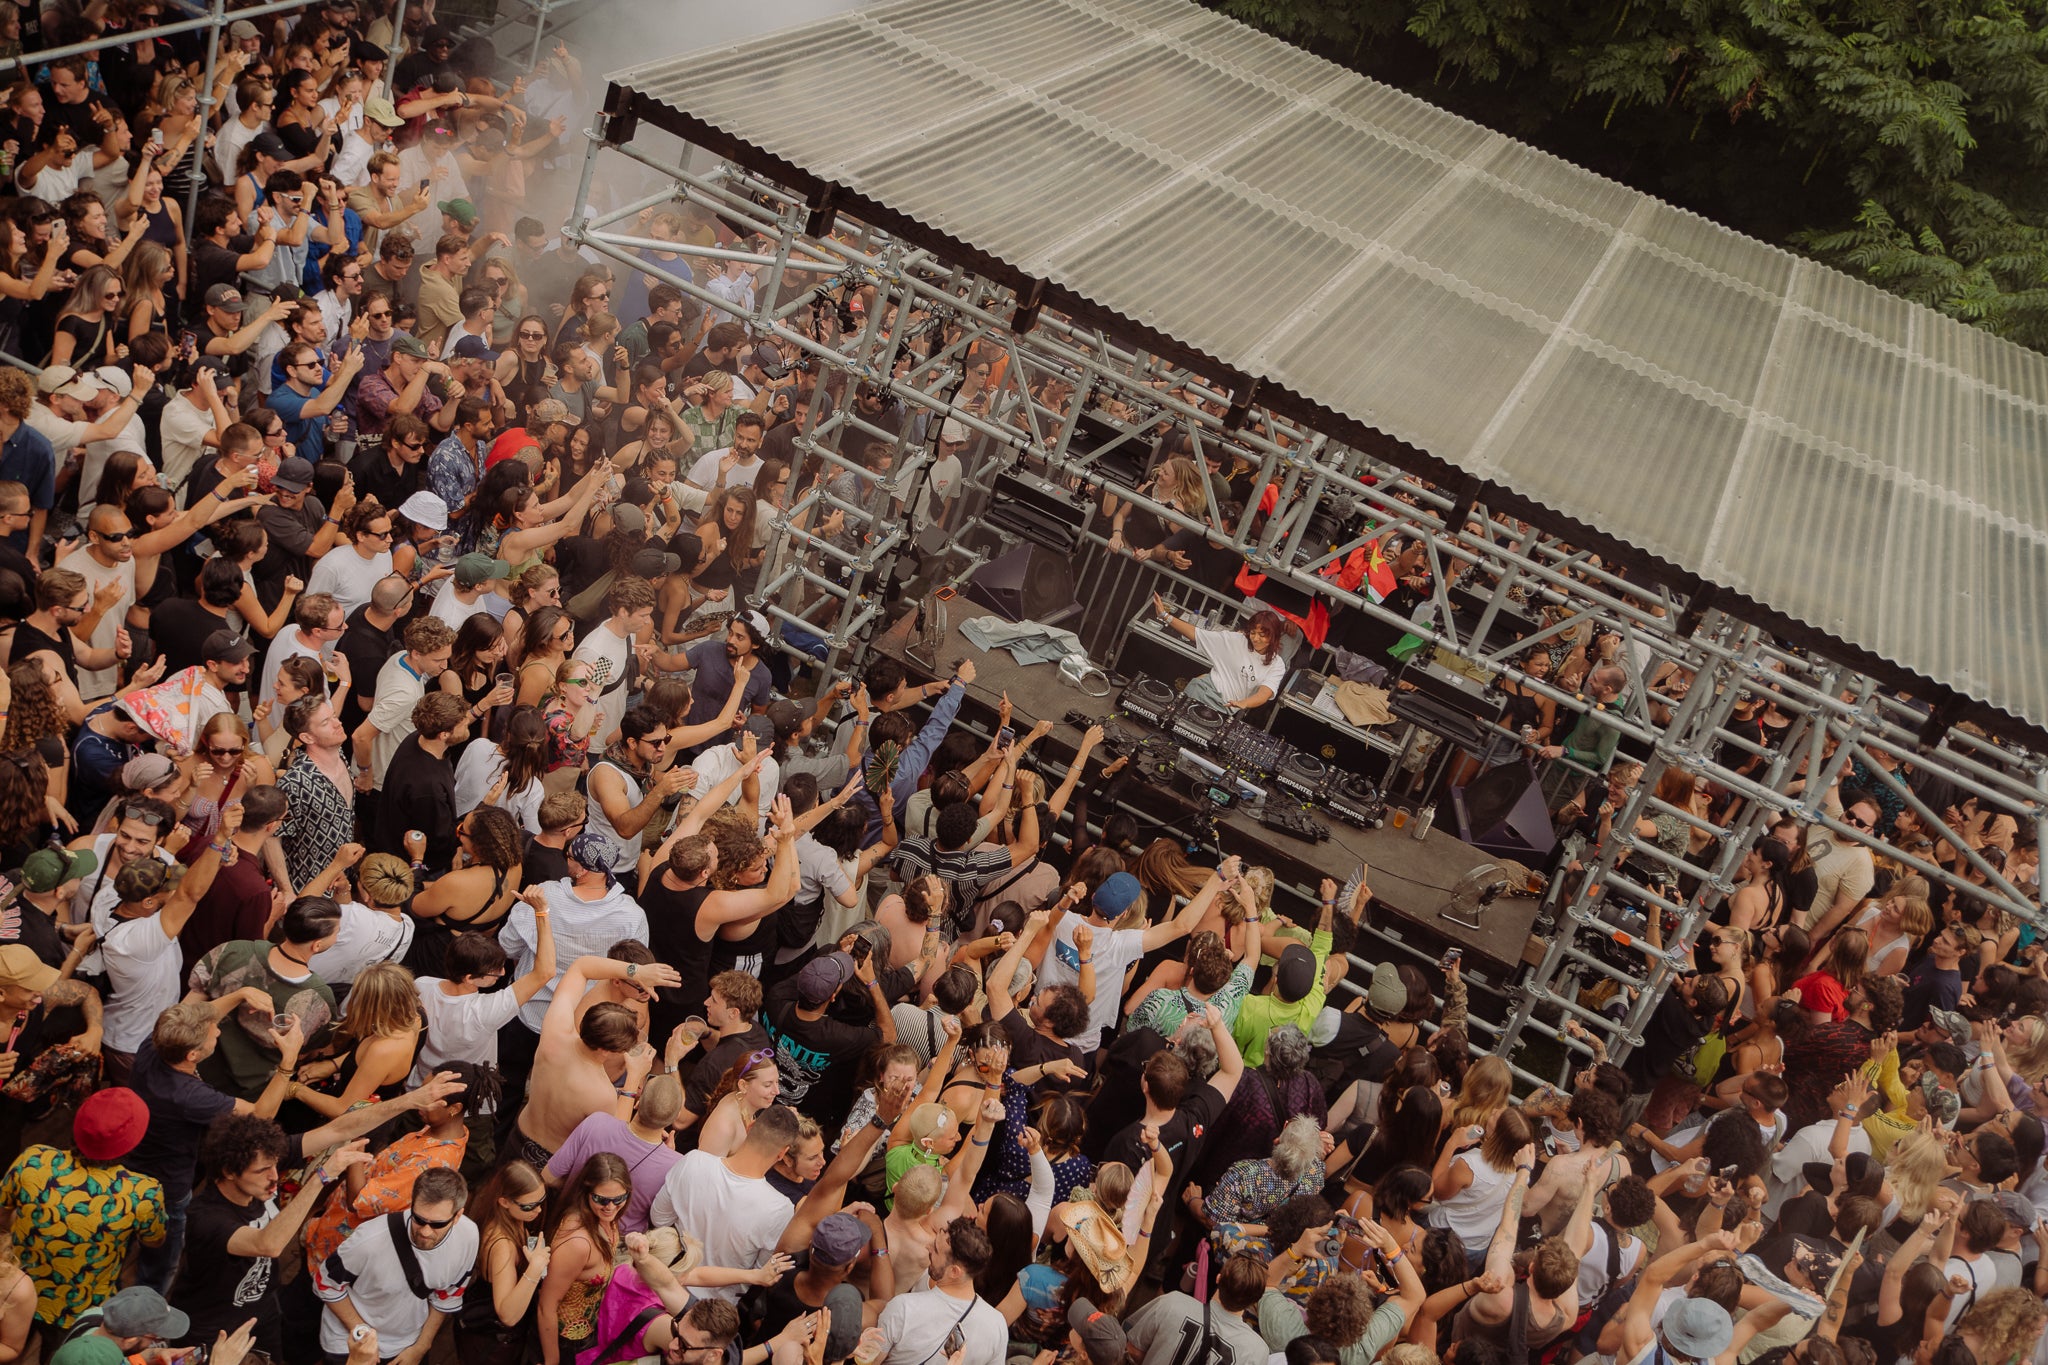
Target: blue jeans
x: 157, y: 1264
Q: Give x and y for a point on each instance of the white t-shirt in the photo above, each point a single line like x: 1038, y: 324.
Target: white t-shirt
x: 819, y: 873
x: 1982, y: 1277
x: 366, y: 937
x: 95, y: 899
x: 101, y: 682
x: 183, y: 428
x: 1239, y: 671
x: 1115, y: 950
x: 608, y: 651
x: 1593, y: 1281
x: 398, y: 690
x: 936, y: 489
x: 286, y: 644
x: 452, y: 609
x: 379, y: 1290
x: 480, y: 765
x: 704, y: 473
x: 143, y: 965
x: 349, y: 576
x: 917, y: 1326
x: 714, y: 765
x: 460, y: 1028
x: 1810, y: 1143
x: 738, y: 1219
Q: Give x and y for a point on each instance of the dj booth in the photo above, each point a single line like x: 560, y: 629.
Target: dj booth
x: 1194, y: 775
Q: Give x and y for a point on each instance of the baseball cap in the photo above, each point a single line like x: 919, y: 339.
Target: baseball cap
x: 19, y: 966
x: 109, y: 1124
x: 241, y: 30
x: 46, y: 869
x: 819, y: 981
x: 410, y: 345
x: 362, y: 50
x: 472, y: 569
x: 381, y: 110
x: 1102, y: 1336
x: 1295, y: 973
x: 92, y: 1349
x: 267, y: 143
x: 293, y: 476
x: 461, y: 210
x: 149, y: 770
x: 786, y: 716
x: 113, y: 379
x: 1698, y: 1329
x: 757, y: 626
x: 655, y: 563
x: 838, y: 1239
x: 762, y: 729
x: 768, y: 360
x: 2019, y: 1210
x: 147, y: 877
x: 952, y: 433
x: 1116, y: 895
x: 225, y: 297
x: 224, y: 646
x: 1954, y: 1025
x: 139, y: 1311
x: 627, y: 517
x: 425, y: 509
x: 474, y: 348
x: 62, y: 379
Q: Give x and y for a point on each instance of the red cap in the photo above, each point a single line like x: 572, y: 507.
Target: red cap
x: 109, y: 1124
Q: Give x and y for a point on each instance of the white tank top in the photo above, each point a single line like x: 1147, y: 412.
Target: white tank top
x: 1474, y: 1212
x: 629, y: 849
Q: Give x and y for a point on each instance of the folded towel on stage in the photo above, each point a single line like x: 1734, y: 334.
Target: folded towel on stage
x: 1363, y: 705
x: 1027, y: 641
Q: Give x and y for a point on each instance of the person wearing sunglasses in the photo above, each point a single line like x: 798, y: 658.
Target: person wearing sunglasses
x: 387, y: 1183
x: 107, y: 563
x: 367, y: 1283
x: 509, y: 1267
x: 1847, y: 873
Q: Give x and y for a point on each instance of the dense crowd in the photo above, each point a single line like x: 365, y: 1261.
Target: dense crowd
x: 441, y: 920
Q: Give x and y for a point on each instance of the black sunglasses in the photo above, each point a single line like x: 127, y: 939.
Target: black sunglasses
x: 115, y: 536
x: 434, y: 1223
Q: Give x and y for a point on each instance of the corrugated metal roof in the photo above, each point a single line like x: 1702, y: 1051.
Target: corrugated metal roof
x: 1846, y: 459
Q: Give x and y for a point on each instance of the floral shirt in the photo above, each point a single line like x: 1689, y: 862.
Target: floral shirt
x: 388, y: 1189
x: 565, y: 750
x: 74, y: 1225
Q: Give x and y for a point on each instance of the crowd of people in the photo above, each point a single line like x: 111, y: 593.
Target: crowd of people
x: 441, y: 920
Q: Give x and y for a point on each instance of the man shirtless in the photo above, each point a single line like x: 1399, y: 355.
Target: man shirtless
x: 577, y: 1066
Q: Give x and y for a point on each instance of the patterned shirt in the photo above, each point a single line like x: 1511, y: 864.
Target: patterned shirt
x: 387, y: 1190
x: 74, y: 1225
x: 452, y: 475
x: 319, y: 821
x: 1165, y: 1011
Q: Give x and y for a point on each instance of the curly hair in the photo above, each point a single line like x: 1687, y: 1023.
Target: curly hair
x: 24, y: 788
x: 2007, y: 1322
x: 736, y: 836
x: 494, y: 837
x: 236, y: 1142
x: 1338, y: 1309
x: 33, y: 713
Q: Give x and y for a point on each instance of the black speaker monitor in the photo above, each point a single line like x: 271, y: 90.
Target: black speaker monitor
x: 1028, y: 583
x: 1502, y: 811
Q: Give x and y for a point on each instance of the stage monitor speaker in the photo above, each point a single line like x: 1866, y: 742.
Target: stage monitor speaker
x: 1028, y: 583
x: 1502, y: 812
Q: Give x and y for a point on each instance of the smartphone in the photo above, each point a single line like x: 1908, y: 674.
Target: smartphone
x: 862, y: 950
x: 1005, y: 737
x: 156, y: 137
x: 1450, y: 956
x: 425, y: 181
x: 188, y: 340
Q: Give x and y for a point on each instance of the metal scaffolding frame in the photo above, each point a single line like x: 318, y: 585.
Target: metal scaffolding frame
x: 919, y: 315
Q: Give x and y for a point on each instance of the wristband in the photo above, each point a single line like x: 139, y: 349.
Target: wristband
x: 327, y: 1179
x: 979, y: 1142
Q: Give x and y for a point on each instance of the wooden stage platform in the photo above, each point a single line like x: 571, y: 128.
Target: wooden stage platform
x: 1411, y: 878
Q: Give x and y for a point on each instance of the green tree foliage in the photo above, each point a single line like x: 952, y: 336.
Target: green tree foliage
x: 1903, y: 141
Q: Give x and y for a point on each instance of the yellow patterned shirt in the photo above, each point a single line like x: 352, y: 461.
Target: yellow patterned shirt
x: 74, y: 1224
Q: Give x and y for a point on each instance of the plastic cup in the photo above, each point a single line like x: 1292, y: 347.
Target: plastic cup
x: 281, y: 1024
x: 1400, y: 818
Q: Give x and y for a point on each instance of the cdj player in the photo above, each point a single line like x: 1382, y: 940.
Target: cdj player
x: 1302, y: 775
x: 1200, y: 726
x: 1151, y: 701
x: 1354, y: 800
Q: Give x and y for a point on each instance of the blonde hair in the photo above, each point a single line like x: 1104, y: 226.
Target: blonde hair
x: 1260, y: 880
x: 1484, y: 1093
x: 1190, y: 489
x: 1915, y: 917
x: 1915, y: 1168
x: 2006, y: 1323
x: 2030, y: 1059
x: 385, y: 880
x: 1112, y: 1186
x: 917, y: 1193
x: 382, y: 1003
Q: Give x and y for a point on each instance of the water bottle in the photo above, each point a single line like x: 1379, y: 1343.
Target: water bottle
x: 1419, y: 827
